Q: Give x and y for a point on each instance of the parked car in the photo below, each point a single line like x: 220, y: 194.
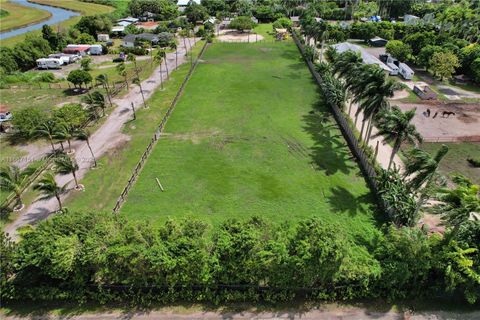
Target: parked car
x: 49, y: 63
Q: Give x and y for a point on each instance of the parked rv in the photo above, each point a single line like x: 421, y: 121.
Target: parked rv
x: 96, y: 49
x: 49, y: 63
x: 66, y: 58
x: 405, y: 71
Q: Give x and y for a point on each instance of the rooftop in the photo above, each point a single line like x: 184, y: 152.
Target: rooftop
x: 366, y: 57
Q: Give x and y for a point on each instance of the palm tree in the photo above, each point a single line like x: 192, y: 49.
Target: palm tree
x: 67, y: 165
x: 458, y: 205
x: 84, y: 135
x: 122, y: 71
x: 163, y: 54
x: 394, y: 125
x: 65, y: 132
x: 12, y: 179
x: 139, y: 84
x: 159, y: 58
x: 47, y: 130
x: 103, y: 80
x: 49, y: 188
x: 95, y: 100
x: 173, y: 46
x: 424, y: 168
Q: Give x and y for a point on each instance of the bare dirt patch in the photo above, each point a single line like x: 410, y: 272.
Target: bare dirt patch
x: 463, y: 124
x: 229, y: 35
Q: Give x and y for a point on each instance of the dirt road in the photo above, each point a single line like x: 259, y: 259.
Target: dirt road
x: 107, y: 137
x: 329, y: 312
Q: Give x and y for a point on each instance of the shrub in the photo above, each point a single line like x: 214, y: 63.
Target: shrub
x: 283, y: 23
x: 242, y: 23
x: 474, y: 162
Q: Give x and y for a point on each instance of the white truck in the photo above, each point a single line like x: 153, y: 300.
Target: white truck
x: 49, y: 63
x: 405, y: 71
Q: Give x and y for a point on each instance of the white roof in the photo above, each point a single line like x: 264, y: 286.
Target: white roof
x: 118, y: 28
x: 366, y: 57
x: 129, y: 19
x: 124, y: 23
x: 185, y: 2
x: 405, y: 67
x: 295, y: 18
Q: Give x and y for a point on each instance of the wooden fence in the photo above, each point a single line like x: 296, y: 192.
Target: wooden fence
x: 157, y: 135
x: 365, y: 165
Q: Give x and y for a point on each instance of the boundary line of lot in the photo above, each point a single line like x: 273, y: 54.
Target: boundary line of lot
x: 366, y: 167
x: 157, y: 134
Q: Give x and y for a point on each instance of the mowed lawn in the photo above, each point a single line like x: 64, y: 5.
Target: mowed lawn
x: 245, y: 140
x: 19, y: 16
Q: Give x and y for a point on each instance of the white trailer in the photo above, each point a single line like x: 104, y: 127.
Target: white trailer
x: 96, y: 49
x: 62, y: 57
x: 394, y: 68
x: 49, y: 63
x: 405, y: 71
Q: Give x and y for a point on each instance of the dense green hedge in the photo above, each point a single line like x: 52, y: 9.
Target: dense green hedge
x: 105, y: 258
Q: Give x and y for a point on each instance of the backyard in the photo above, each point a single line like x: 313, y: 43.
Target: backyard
x: 250, y: 137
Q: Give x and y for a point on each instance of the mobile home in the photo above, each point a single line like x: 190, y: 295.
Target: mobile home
x: 49, y: 63
x: 96, y: 49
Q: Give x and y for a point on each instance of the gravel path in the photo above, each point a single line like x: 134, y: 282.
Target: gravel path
x: 107, y: 137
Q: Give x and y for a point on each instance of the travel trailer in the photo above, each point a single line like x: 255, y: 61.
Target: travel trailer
x: 49, y: 63
x: 65, y: 58
x: 405, y: 71
x: 96, y: 49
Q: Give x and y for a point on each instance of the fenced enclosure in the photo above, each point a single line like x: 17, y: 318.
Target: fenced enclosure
x: 156, y: 135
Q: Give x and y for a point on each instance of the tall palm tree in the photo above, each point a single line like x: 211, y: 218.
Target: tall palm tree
x: 422, y: 169
x: 394, y: 125
x: 49, y: 188
x: 139, y: 84
x: 159, y: 58
x: 122, y: 71
x: 103, y: 80
x: 47, y: 130
x: 173, y: 46
x: 163, y: 54
x: 67, y: 165
x: 65, y: 132
x: 12, y: 179
x: 84, y: 135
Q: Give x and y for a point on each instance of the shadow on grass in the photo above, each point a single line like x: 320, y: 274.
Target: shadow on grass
x: 343, y: 201
x: 330, y: 152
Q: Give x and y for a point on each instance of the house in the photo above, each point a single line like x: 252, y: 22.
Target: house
x: 148, y: 25
x: 129, y: 39
x: 182, y: 4
x: 103, y: 37
x: 128, y: 20
x: 425, y: 93
x: 377, y: 42
x: 366, y: 57
x: 124, y: 23
x: 118, y: 29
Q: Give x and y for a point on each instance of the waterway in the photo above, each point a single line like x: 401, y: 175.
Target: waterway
x: 57, y: 15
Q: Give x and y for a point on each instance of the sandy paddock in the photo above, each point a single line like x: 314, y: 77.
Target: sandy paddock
x: 463, y: 126
x: 230, y: 35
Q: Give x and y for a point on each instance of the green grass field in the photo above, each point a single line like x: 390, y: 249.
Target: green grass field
x: 456, y: 159
x: 245, y: 140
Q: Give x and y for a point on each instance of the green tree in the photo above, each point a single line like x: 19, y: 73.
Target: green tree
x: 49, y: 188
x: 12, y: 179
x: 159, y: 58
x: 26, y: 121
x: 164, y: 9
x: 396, y: 127
x: 85, y: 64
x: 8, y: 64
x: 95, y: 100
x: 65, y: 132
x: 443, y: 64
x: 425, y: 55
x: 399, y: 50
x: 102, y: 79
x: 85, y: 38
x: 91, y: 25
x: 242, y: 23
x: 66, y: 165
x: 137, y: 80
x: 71, y: 114
x: 79, y: 78
x: 195, y: 12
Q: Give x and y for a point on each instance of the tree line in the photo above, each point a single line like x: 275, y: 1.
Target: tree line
x: 103, y: 257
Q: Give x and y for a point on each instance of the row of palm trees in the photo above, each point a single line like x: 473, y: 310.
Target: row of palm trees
x: 13, y: 179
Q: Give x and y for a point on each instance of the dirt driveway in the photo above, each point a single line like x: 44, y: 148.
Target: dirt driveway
x: 229, y: 35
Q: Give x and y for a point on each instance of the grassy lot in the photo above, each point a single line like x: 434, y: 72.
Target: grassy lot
x: 104, y: 184
x: 84, y: 8
x: 20, y: 16
x: 456, y: 159
x: 265, y: 30
x: 244, y: 140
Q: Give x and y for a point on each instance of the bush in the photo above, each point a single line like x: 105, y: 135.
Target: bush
x: 138, y: 51
x: 283, y: 23
x: 242, y: 23
x: 474, y: 162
